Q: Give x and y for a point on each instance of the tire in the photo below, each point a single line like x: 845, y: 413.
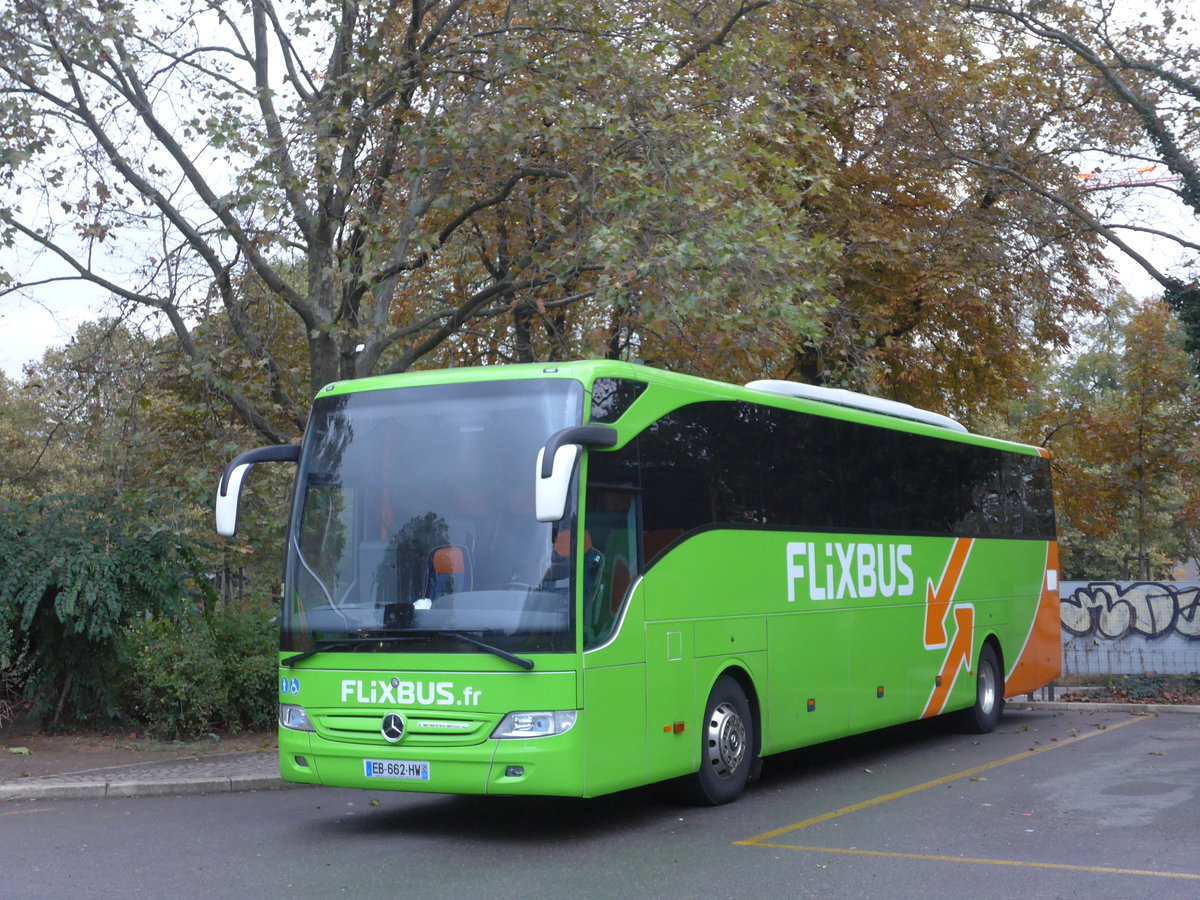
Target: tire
x: 989, y: 694
x: 726, y: 745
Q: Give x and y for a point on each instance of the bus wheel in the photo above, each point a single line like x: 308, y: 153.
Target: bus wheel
x: 989, y: 694
x: 726, y: 745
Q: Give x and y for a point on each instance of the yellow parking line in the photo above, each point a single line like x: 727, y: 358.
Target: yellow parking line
x: 766, y: 838
x: 20, y: 812
x: 987, y: 862
x: 876, y: 801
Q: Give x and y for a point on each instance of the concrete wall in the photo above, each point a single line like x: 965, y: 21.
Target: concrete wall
x: 1130, y: 627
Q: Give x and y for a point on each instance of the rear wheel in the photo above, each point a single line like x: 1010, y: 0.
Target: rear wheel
x: 726, y: 745
x: 989, y: 694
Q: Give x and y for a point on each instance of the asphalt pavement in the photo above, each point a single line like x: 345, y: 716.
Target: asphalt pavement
x: 256, y: 771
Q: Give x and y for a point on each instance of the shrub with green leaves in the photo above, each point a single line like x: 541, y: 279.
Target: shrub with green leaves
x: 247, y: 647
x: 74, y: 570
x: 174, y: 685
x: 193, y: 674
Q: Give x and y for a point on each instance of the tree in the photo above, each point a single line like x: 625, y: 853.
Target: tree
x: 106, y: 522
x: 944, y: 289
x: 852, y: 193
x: 114, y: 417
x: 1138, y: 66
x: 1121, y: 421
x: 74, y: 422
x: 396, y: 180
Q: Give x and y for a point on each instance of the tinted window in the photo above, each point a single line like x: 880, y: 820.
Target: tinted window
x: 697, y: 466
x: 801, y: 470
x: 612, y: 396
x: 734, y: 464
x: 700, y: 467
x: 871, y: 469
x: 1031, y: 499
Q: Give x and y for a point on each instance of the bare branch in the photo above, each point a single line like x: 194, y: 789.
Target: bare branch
x: 1178, y: 239
x: 1078, y: 212
x: 1173, y: 154
x: 306, y: 91
x: 279, y: 147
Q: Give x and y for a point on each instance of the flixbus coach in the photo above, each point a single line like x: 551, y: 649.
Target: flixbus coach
x: 577, y: 578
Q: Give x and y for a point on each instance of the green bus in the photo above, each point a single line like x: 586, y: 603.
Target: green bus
x: 577, y: 578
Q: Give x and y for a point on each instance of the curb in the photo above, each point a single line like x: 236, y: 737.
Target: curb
x: 95, y: 789
x: 1144, y: 708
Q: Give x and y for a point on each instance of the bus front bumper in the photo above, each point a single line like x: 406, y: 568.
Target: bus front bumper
x: 549, y: 766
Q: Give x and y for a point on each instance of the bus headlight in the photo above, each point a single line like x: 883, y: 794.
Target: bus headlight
x: 535, y: 724
x: 294, y: 717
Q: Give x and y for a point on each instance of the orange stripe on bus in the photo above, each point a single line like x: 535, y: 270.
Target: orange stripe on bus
x: 937, y: 601
x: 1040, y: 660
x: 958, y: 655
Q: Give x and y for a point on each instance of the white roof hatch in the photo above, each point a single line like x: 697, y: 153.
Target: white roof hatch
x: 840, y: 397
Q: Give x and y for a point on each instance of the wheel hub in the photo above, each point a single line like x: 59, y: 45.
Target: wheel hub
x: 726, y: 740
x: 987, y: 688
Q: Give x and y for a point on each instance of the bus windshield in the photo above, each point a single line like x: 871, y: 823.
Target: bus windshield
x: 414, y: 522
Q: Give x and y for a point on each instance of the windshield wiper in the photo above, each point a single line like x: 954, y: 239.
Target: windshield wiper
x: 475, y: 642
x: 409, y: 634
x: 322, y: 646
x: 466, y: 639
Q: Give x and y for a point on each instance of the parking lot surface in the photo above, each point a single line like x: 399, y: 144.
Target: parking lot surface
x: 1093, y: 804
x: 1096, y: 804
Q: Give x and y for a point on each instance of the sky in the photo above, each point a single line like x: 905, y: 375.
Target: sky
x: 28, y: 329
x: 31, y: 325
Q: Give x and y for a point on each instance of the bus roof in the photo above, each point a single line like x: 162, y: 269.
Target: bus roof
x: 810, y: 398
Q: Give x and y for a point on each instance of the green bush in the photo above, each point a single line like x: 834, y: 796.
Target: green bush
x: 247, y: 645
x: 197, y: 674
x: 74, y: 570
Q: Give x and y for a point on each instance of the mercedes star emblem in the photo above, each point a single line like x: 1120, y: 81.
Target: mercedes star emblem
x: 392, y: 728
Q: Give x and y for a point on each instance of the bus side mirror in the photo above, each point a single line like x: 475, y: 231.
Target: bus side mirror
x: 556, y: 463
x: 230, y: 490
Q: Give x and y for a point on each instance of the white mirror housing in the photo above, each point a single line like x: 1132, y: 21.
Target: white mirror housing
x: 556, y: 463
x: 227, y: 503
x: 550, y: 495
x: 229, y: 493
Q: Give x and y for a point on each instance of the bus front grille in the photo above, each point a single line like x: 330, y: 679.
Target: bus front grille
x: 421, y: 729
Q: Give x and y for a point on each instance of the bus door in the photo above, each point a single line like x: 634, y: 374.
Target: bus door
x: 614, y: 674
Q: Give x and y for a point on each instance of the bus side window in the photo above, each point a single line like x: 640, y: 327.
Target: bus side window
x: 612, y: 525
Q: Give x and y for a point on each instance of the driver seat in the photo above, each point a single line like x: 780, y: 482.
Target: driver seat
x: 448, y: 571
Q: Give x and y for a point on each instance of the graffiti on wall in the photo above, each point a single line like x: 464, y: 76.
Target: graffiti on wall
x: 1113, y: 610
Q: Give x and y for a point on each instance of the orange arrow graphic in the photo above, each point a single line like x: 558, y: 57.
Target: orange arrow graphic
x: 937, y: 600
x: 958, y: 655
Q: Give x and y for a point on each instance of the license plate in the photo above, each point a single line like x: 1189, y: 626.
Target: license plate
x: 402, y: 769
